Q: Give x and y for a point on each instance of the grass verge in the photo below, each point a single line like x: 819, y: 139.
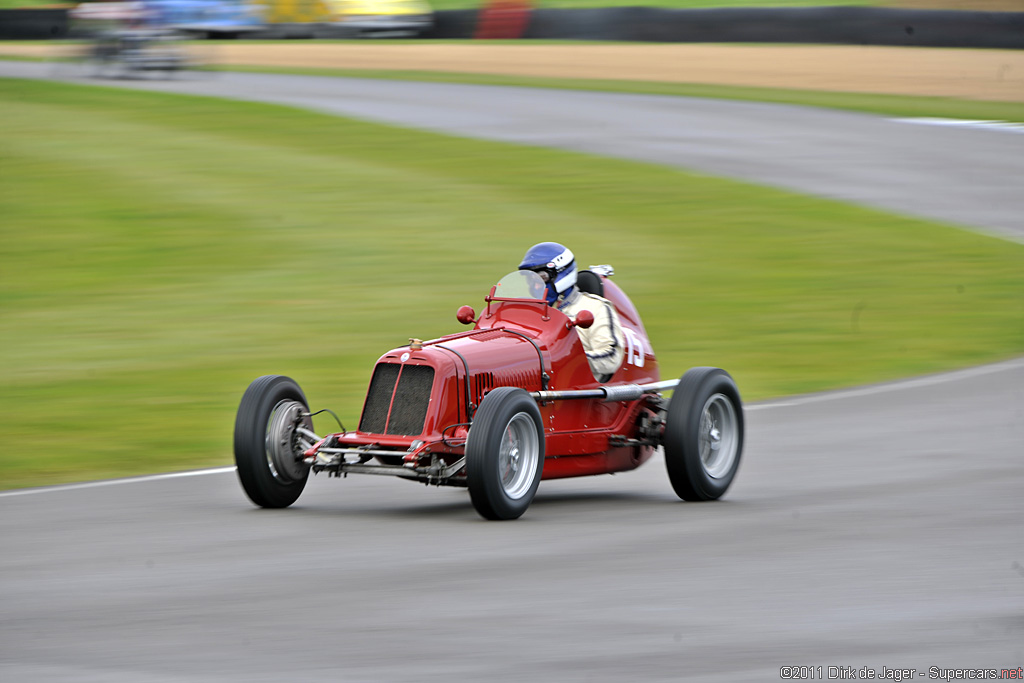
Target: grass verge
x: 159, y: 252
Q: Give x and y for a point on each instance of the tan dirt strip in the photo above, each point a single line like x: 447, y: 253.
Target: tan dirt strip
x: 993, y: 75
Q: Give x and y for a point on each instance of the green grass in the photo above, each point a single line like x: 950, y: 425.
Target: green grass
x: 159, y: 252
x: 28, y: 4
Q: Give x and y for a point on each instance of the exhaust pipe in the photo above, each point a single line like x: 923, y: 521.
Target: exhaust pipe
x: 618, y: 392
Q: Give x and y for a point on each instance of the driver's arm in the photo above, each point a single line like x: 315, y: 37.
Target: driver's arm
x: 603, y: 343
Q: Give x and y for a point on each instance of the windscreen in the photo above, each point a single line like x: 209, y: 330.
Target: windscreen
x: 520, y: 284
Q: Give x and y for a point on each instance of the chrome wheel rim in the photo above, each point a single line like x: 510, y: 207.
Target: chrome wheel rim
x: 719, y: 436
x: 284, y: 445
x: 518, y: 456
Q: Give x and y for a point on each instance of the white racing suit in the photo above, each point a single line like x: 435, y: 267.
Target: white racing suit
x: 604, y: 342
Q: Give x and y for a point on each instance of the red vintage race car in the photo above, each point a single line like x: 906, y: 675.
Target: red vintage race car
x: 500, y: 407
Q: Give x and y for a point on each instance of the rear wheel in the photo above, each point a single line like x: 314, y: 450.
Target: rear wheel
x: 268, y: 445
x: 505, y: 454
x: 703, y: 434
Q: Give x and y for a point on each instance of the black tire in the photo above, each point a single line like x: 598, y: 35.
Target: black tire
x: 267, y: 449
x: 703, y: 434
x: 505, y: 454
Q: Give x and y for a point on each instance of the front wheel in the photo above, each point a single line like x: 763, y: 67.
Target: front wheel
x: 268, y: 443
x: 505, y: 454
x: 703, y: 434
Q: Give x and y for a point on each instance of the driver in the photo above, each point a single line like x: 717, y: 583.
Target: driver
x: 603, y: 343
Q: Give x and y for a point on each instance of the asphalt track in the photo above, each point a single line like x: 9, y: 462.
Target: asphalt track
x: 873, y: 528
x: 879, y: 527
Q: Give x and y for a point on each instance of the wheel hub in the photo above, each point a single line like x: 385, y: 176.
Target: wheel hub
x: 284, y: 455
x: 715, y: 435
x: 513, y: 456
x: 518, y: 458
x: 719, y: 442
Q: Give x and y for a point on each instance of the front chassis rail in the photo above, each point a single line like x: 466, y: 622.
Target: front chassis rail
x: 437, y: 473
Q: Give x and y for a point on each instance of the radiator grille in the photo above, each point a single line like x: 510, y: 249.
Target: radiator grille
x: 378, y: 398
x: 411, y: 400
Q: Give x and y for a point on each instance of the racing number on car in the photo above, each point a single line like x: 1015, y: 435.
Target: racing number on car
x: 635, y: 351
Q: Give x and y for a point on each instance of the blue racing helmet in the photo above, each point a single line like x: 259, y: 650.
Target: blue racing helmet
x: 556, y: 266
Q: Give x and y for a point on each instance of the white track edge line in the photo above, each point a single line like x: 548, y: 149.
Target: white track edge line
x: 1000, y: 126
x: 919, y: 382
x: 114, y: 482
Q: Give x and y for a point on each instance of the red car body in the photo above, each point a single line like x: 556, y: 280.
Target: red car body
x: 499, y: 407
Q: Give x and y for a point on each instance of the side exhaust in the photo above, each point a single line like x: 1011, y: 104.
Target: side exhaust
x: 620, y: 392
